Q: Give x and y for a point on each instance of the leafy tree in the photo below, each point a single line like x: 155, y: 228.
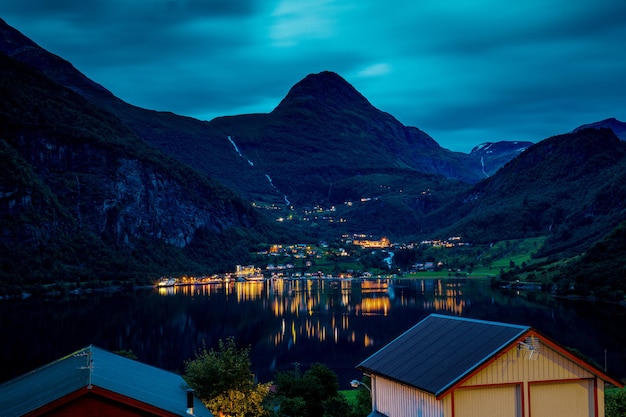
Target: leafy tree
x: 223, y: 381
x: 363, y: 404
x: 312, y: 394
x: 336, y: 406
x: 615, y: 402
x: 295, y: 406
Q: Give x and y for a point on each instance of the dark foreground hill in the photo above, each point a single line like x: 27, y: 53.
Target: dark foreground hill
x: 82, y: 196
x: 570, y: 187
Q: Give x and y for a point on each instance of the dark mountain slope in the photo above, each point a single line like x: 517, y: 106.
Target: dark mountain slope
x: 321, y: 108
x: 619, y: 128
x: 82, y: 196
x: 325, y: 131
x: 184, y: 138
x: 600, y: 270
x: 570, y: 187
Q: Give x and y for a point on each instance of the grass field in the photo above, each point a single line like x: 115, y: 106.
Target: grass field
x: 350, y: 395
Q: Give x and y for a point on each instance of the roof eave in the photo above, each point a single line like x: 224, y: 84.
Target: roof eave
x: 482, y: 364
x: 529, y: 332
x: 578, y: 360
x: 370, y: 372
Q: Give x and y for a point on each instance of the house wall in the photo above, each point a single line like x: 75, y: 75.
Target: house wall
x: 549, y: 384
x: 516, y: 365
x: 95, y: 407
x: 87, y: 403
x: 398, y: 400
x: 516, y: 383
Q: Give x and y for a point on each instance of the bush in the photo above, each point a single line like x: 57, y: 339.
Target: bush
x: 615, y: 402
x: 312, y: 394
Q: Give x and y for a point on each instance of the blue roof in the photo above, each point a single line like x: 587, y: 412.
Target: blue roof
x: 159, y: 388
x: 440, y: 350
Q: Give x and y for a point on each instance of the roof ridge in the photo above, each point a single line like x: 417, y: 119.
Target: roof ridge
x: 492, y: 323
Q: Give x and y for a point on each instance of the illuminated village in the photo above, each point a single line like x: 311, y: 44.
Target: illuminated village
x: 302, y: 260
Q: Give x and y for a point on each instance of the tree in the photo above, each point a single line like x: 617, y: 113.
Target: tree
x: 363, y: 405
x: 615, y: 402
x: 314, y: 394
x: 223, y: 381
x: 404, y: 258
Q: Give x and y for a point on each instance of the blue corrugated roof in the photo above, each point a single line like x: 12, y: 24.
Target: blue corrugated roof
x: 440, y: 350
x: 115, y: 373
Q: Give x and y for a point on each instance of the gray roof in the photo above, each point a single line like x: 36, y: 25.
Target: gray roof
x: 440, y: 350
x: 162, y: 389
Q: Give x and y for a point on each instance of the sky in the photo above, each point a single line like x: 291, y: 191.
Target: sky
x: 463, y: 71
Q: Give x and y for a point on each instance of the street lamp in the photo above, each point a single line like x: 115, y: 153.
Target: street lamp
x: 355, y: 384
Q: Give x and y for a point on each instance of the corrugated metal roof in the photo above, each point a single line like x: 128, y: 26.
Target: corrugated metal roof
x: 133, y: 379
x: 440, y: 350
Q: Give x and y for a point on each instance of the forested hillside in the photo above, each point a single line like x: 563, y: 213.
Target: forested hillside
x: 84, y: 199
x: 569, y: 187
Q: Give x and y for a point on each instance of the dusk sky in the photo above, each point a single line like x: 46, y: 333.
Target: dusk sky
x: 463, y: 71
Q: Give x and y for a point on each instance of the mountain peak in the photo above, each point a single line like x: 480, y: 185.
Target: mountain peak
x: 326, y: 89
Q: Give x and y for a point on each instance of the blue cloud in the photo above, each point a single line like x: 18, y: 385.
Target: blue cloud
x: 463, y: 71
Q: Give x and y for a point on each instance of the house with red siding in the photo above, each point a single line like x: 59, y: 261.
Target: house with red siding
x: 95, y: 382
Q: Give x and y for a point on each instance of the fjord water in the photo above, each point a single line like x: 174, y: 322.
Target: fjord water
x: 338, y: 323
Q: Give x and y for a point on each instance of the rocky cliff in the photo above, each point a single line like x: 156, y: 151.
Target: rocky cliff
x: 71, y: 169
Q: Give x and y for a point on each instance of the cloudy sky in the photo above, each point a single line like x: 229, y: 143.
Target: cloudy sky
x: 463, y: 71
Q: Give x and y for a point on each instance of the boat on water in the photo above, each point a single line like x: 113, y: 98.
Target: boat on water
x: 167, y: 282
x: 254, y: 277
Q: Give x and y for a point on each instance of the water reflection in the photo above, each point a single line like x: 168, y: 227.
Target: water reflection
x: 296, y: 302
x: 336, y: 322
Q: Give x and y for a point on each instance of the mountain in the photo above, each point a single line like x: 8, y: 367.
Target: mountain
x: 255, y: 155
x: 92, y: 186
x: 324, y: 131
x: 81, y: 195
x: 493, y: 155
x: 619, y: 128
x: 184, y: 138
x: 571, y: 188
x: 600, y: 270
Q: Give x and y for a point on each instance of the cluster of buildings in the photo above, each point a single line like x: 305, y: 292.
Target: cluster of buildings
x: 382, y: 243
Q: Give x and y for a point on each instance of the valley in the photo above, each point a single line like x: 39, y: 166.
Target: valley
x: 96, y: 190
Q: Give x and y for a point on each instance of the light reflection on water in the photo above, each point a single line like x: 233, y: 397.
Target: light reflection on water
x: 335, y: 322
x: 340, y: 312
x: 297, y: 303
